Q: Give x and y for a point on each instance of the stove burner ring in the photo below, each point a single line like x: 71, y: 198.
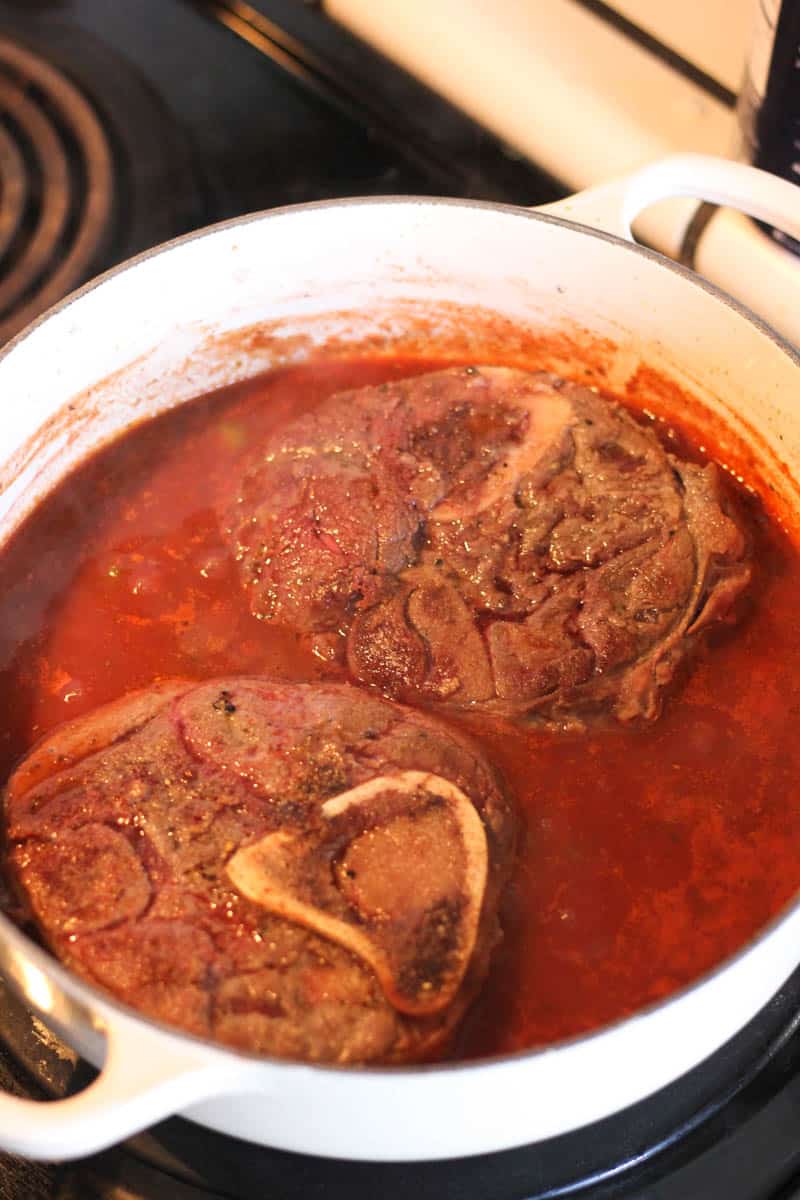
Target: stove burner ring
x: 56, y: 186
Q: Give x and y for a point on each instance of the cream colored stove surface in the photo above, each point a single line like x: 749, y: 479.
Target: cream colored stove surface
x: 586, y: 102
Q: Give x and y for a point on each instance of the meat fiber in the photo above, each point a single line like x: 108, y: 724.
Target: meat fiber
x: 300, y: 870
x: 488, y: 537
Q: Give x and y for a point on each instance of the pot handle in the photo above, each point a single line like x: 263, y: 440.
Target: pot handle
x: 613, y: 207
x: 144, y: 1078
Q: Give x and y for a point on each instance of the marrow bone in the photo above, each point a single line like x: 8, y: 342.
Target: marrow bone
x: 394, y: 871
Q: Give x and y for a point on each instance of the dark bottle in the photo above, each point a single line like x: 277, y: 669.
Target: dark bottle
x: 769, y: 104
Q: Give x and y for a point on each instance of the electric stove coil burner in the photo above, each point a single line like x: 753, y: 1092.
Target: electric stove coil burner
x: 56, y: 186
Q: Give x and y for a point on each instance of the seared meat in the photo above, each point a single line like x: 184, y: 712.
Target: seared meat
x: 304, y: 871
x: 485, y: 536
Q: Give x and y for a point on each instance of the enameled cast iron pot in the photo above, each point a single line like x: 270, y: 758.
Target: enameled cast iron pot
x: 158, y: 330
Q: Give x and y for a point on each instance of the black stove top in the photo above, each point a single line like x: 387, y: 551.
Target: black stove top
x: 726, y: 1131
x: 121, y: 125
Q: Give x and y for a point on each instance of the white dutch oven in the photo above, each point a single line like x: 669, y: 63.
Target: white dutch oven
x: 154, y: 322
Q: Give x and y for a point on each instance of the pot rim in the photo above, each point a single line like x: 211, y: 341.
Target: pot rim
x: 85, y: 1000
x: 518, y: 210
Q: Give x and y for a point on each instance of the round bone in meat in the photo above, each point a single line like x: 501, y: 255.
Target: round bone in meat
x: 404, y: 894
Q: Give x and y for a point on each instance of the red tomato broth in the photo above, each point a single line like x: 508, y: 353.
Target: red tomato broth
x: 648, y: 855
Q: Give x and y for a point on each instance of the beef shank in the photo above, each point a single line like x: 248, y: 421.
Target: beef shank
x: 300, y: 870
x: 485, y: 536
